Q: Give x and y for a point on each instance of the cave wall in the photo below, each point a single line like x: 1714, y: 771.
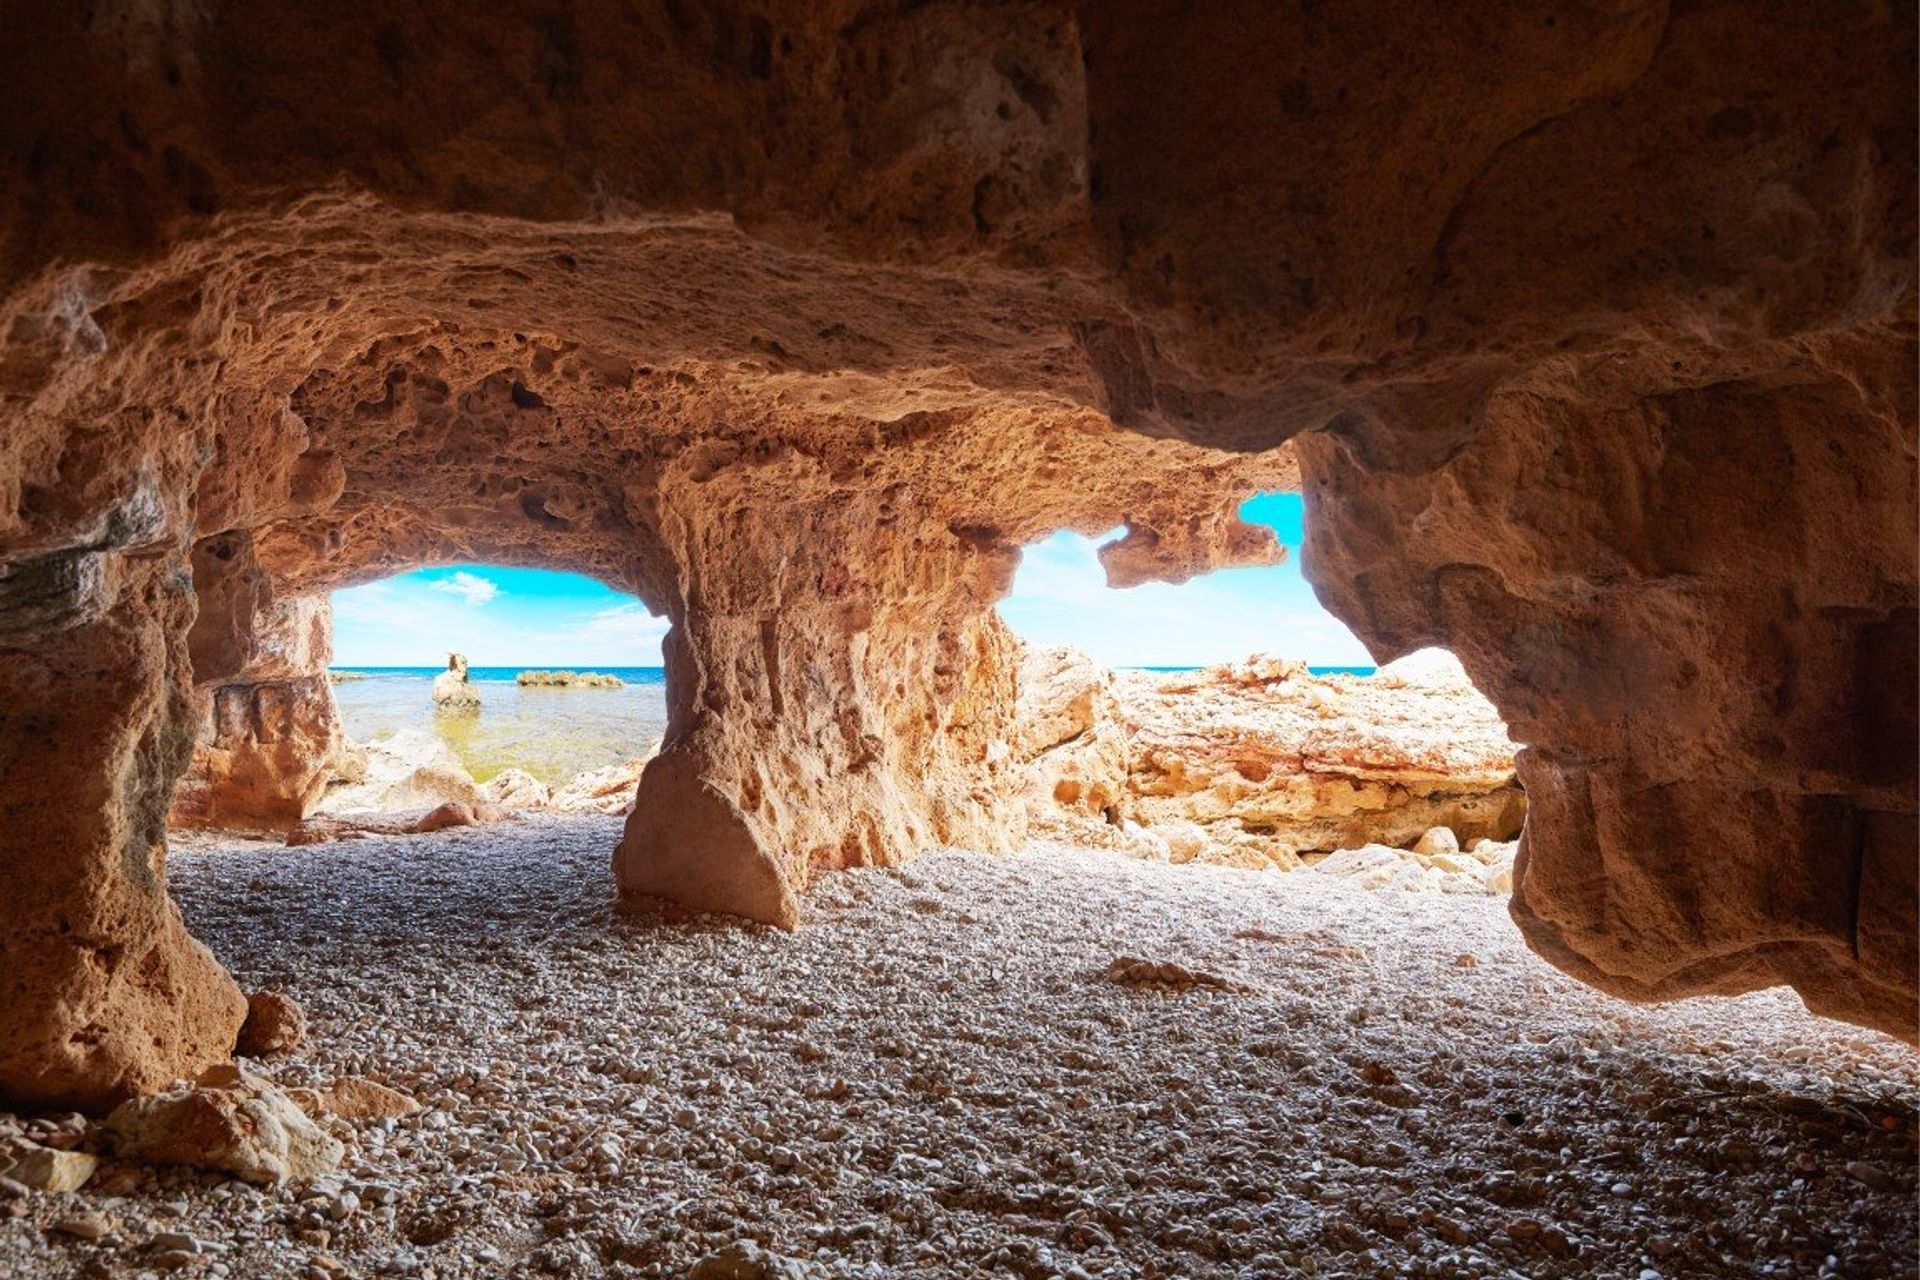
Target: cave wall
x: 1592, y: 329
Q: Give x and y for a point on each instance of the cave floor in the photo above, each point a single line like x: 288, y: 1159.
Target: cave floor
x: 937, y: 1076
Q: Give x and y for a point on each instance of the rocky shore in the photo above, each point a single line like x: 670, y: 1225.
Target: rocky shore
x: 1264, y: 764
x: 1060, y: 1064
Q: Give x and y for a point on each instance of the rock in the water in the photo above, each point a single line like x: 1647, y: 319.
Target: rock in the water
x: 229, y: 1120
x: 569, y: 680
x: 452, y: 689
x: 275, y: 1024
x: 44, y: 1168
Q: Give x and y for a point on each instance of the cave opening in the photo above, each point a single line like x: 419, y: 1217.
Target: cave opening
x: 1228, y: 718
x: 425, y: 690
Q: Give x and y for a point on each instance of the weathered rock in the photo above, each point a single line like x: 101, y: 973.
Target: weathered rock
x: 745, y: 1260
x: 1069, y: 736
x: 271, y: 738
x: 608, y: 790
x: 454, y: 813
x: 229, y: 1120
x: 275, y: 1024
x: 1254, y: 764
x: 452, y: 689
x: 45, y: 1168
x: 1592, y: 340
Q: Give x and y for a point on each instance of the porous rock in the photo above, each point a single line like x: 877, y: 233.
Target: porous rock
x: 275, y: 1024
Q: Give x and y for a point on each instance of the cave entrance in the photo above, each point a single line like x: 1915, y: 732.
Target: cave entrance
x: 489, y: 688
x: 1230, y: 719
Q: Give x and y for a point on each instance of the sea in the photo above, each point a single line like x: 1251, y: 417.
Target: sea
x: 554, y: 734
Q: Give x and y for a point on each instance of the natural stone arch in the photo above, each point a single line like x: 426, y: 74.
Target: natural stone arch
x: 919, y: 284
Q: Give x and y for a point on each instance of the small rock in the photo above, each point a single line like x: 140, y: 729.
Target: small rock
x: 1869, y: 1175
x: 92, y: 1227
x: 1436, y: 840
x: 744, y: 1260
x: 45, y: 1169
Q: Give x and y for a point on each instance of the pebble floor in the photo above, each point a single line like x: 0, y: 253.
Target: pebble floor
x: 936, y: 1076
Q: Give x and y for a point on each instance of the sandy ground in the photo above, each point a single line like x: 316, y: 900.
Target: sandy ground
x: 938, y: 1075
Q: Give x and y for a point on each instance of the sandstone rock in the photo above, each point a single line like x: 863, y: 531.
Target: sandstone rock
x: 1069, y: 736
x: 45, y: 1168
x: 1437, y: 840
x: 229, y: 1120
x: 1133, y: 971
x: 454, y: 813
x: 452, y: 689
x: 607, y: 790
x: 271, y: 736
x: 275, y: 1024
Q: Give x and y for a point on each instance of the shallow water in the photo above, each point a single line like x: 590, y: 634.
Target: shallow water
x: 554, y: 734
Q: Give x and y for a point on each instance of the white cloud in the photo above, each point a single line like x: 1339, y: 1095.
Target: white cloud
x: 471, y: 587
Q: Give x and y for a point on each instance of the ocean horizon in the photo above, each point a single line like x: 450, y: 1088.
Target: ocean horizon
x: 658, y: 675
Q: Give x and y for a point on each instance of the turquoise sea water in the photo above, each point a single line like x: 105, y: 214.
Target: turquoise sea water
x: 553, y: 734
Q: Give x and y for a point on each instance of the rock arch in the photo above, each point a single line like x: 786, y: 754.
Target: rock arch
x: 1590, y: 341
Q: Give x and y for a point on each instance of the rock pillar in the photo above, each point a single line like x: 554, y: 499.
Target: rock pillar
x: 840, y: 694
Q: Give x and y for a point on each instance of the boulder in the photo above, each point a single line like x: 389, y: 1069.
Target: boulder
x: 275, y: 1024
x: 412, y: 769
x: 228, y: 1120
x: 516, y: 789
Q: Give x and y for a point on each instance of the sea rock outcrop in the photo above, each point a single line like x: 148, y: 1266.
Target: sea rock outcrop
x: 569, y: 680
x: 1588, y: 336
x: 453, y: 689
x: 1257, y: 762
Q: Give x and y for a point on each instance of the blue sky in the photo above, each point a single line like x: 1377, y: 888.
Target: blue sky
x: 526, y: 617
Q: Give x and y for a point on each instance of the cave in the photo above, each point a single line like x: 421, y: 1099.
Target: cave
x: 1587, y: 333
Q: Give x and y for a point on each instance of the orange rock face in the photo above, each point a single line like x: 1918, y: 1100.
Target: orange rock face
x: 1592, y: 333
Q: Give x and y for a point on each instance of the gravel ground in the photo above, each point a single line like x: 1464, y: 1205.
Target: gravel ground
x: 944, y: 1073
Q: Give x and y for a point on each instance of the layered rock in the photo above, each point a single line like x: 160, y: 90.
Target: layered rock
x: 270, y: 737
x: 1258, y: 762
x: 1593, y: 331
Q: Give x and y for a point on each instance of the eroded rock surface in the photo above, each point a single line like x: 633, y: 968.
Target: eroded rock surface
x: 1260, y: 761
x: 1593, y: 332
